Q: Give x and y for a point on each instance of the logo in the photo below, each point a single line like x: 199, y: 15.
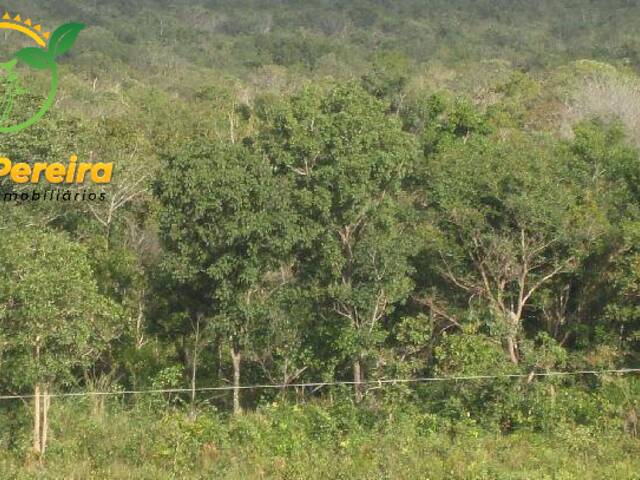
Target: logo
x: 34, y: 64
x: 19, y: 106
x: 72, y: 173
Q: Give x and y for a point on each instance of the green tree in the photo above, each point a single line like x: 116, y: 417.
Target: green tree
x: 52, y: 318
x: 606, y: 167
x: 510, y: 222
x: 347, y: 160
x: 388, y: 78
x: 227, y: 228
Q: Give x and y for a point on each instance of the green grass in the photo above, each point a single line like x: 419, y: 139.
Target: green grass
x: 313, y: 442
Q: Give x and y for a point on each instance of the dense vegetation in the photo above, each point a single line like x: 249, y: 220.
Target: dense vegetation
x: 360, y: 193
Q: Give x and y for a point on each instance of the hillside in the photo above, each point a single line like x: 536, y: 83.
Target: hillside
x: 341, y: 239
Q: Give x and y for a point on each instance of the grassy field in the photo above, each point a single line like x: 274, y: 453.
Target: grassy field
x: 317, y: 442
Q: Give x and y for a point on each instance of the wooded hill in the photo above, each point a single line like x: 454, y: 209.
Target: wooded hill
x: 343, y: 192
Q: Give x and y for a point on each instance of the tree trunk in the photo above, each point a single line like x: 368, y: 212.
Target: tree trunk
x: 512, y: 348
x: 220, y: 348
x: 236, y: 358
x: 194, y: 365
x: 42, y: 401
x: 46, y: 401
x: 36, y: 419
x: 357, y: 379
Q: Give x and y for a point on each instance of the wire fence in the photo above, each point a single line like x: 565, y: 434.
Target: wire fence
x: 623, y: 371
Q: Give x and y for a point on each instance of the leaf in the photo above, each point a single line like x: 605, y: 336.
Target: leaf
x: 35, y: 58
x: 64, y: 37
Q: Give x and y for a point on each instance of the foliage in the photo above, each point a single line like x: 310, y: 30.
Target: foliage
x: 365, y: 192
x: 53, y: 318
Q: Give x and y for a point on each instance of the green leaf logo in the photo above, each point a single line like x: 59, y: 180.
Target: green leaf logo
x: 35, y: 58
x: 60, y: 43
x: 63, y: 38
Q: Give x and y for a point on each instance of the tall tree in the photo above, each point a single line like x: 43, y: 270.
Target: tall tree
x: 347, y: 159
x: 51, y: 310
x: 510, y: 222
x: 226, y: 226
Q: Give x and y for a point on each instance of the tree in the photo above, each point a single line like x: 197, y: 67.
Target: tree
x: 606, y: 165
x: 347, y: 160
x: 510, y: 220
x: 51, y: 310
x: 226, y: 226
x: 121, y: 140
x: 388, y: 78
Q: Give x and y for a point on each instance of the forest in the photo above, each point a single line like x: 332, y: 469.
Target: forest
x: 357, y: 239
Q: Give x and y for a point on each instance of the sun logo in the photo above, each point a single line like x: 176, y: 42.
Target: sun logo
x: 17, y: 111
